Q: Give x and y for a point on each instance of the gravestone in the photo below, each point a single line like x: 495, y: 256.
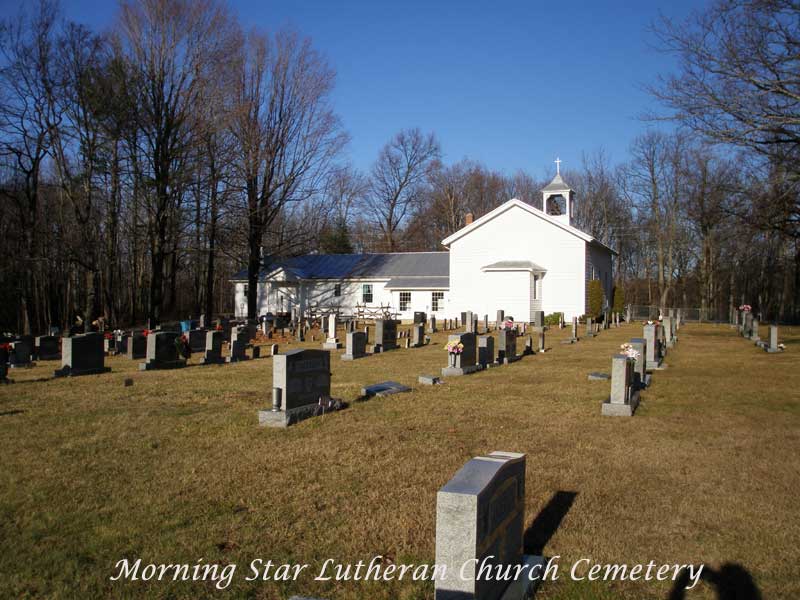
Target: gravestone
x: 538, y: 318
x: 123, y: 339
x: 501, y: 316
x: 273, y: 349
x: 475, y: 324
x: 386, y: 334
x: 82, y: 355
x: 773, y: 340
x: 480, y: 521
x: 464, y: 362
x: 213, y: 349
x: 162, y: 351
x: 463, y: 319
x: 624, y: 397
x: 666, y: 323
x: 299, y: 379
x: 418, y: 335
x: 640, y: 377
x: 486, y: 351
x: 22, y: 349
x: 432, y: 324
x: 574, y: 329
x: 47, y: 348
x: 541, y: 347
x: 528, y: 351
x: 332, y: 342
x: 507, y: 346
x: 355, y: 345
x: 420, y: 318
x: 589, y: 327
x: 137, y: 346
x: 628, y: 313
x: 754, y: 331
x: 197, y: 339
x: 485, y: 323
x: 748, y: 324
x: 653, y: 353
x: 238, y: 346
x: 469, y: 323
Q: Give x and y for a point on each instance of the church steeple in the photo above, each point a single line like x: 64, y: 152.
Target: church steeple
x: 558, y: 197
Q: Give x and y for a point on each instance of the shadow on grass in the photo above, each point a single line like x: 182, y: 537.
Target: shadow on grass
x: 546, y: 523
x: 731, y: 582
x: 7, y: 413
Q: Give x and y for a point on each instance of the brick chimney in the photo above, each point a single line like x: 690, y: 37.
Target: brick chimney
x: 468, y: 218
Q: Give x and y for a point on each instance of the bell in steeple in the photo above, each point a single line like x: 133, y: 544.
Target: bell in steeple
x: 558, y: 198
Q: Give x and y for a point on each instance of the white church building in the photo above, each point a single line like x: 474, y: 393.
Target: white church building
x: 517, y: 258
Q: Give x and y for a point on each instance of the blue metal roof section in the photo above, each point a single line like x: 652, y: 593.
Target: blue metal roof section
x: 359, y: 266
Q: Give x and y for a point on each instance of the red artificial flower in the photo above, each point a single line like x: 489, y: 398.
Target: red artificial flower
x: 146, y: 332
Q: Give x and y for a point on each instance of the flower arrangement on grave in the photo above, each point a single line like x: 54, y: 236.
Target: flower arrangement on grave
x: 454, y: 347
x: 108, y: 335
x: 6, y: 347
x: 182, y: 346
x: 218, y: 328
x: 145, y: 332
x: 745, y: 308
x: 629, y: 351
x: 509, y: 324
x: 782, y: 346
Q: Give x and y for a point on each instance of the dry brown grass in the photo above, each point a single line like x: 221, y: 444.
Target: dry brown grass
x: 175, y: 468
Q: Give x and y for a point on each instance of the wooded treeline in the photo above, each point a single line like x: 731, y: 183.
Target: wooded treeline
x: 143, y: 166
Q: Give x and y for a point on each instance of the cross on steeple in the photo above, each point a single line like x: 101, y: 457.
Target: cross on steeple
x: 558, y: 165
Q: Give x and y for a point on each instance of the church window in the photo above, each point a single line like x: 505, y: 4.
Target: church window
x: 366, y: 293
x: 337, y: 290
x: 405, y: 301
x: 436, y: 298
x: 246, y: 289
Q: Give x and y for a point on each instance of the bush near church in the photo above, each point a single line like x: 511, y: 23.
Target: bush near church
x: 619, y: 299
x: 553, y: 319
x: 595, y: 298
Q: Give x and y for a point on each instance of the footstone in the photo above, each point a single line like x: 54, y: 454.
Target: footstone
x: 428, y: 380
x: 299, y: 379
x: 599, y: 376
x: 82, y: 355
x: 386, y: 388
x: 480, y: 520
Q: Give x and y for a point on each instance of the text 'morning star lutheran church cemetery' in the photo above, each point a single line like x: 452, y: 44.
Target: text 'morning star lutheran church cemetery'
x: 517, y: 256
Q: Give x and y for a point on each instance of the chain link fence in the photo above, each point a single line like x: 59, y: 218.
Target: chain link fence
x: 650, y: 313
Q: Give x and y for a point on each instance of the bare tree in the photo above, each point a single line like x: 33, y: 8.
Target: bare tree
x: 26, y: 45
x: 173, y: 47
x: 398, y: 178
x: 286, y: 132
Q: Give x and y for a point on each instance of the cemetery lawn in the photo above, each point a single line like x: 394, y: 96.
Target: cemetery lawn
x: 175, y: 469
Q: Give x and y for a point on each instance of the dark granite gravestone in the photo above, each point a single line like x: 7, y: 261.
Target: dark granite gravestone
x: 386, y: 334
x: 82, y: 355
x: 238, y: 346
x: 299, y: 379
x: 486, y: 351
x: 507, y: 346
x: 22, y: 349
x: 480, y: 521
x: 197, y: 339
x: 47, y: 347
x: 213, y: 349
x: 137, y: 346
x: 162, y: 351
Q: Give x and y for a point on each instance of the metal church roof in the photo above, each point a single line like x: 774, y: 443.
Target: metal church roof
x: 359, y: 266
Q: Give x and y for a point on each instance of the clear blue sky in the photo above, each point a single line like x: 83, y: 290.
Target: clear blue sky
x: 511, y: 84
